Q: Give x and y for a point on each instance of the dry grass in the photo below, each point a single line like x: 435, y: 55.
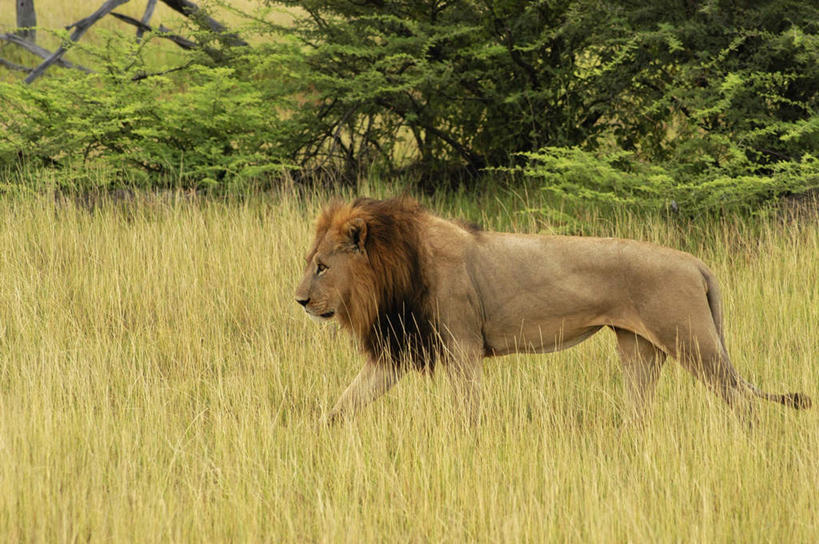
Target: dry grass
x: 157, y: 382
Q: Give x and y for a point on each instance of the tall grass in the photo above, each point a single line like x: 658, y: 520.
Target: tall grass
x: 158, y: 382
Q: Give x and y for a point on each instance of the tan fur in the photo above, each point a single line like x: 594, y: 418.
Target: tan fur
x: 416, y: 289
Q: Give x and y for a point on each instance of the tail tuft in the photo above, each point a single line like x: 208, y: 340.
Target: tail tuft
x: 800, y: 401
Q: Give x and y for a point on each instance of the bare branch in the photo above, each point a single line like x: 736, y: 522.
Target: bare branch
x: 79, y: 29
x: 40, y: 51
x: 336, y: 136
x: 13, y: 66
x: 140, y: 77
x: 194, y: 12
x: 146, y: 18
x: 163, y: 32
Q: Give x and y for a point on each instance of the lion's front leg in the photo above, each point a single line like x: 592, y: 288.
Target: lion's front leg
x: 373, y: 381
x: 465, y: 376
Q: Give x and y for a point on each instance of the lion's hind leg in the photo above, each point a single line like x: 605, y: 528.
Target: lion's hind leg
x: 642, y: 362
x: 701, y: 352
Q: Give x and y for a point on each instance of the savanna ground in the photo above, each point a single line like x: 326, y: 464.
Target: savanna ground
x: 159, y: 383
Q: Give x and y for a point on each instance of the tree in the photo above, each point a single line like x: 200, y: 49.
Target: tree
x: 705, y: 84
x: 472, y: 83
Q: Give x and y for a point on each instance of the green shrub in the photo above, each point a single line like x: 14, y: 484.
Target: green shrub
x: 581, y: 178
x: 198, y: 125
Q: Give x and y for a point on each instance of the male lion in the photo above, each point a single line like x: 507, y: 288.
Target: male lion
x: 416, y: 289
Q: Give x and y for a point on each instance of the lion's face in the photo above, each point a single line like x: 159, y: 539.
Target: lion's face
x: 330, y: 273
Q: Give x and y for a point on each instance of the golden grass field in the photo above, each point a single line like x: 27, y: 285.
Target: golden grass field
x: 159, y: 383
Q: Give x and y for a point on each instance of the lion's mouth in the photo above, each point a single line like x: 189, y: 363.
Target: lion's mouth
x: 327, y: 315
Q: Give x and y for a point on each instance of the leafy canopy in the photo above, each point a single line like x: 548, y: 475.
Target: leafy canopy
x: 706, y: 102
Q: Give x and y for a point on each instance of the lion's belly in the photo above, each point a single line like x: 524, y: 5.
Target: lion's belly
x: 535, y: 338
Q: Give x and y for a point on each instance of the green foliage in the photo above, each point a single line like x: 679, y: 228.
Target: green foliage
x: 465, y: 82
x: 719, y: 84
x: 615, y: 180
x: 710, y: 105
x: 198, y: 125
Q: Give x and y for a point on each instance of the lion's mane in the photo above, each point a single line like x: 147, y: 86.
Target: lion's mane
x: 388, y: 308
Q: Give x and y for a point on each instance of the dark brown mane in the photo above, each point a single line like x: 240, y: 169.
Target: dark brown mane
x: 389, y: 308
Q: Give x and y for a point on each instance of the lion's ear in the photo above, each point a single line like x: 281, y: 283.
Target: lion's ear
x: 356, y: 231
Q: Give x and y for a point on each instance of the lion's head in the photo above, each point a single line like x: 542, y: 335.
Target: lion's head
x: 364, y: 269
x: 337, y: 268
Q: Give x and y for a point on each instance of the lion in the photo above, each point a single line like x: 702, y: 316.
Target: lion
x: 418, y: 290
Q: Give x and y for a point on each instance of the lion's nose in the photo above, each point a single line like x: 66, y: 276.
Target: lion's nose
x: 302, y: 301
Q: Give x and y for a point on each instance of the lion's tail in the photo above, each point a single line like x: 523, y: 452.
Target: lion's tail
x: 800, y: 401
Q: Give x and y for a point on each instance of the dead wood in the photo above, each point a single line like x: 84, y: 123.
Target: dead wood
x: 79, y: 29
x: 40, y: 52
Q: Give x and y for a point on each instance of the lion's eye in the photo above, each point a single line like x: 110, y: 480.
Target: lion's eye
x: 320, y: 269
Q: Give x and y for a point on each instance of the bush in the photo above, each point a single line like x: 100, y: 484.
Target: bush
x: 198, y: 126
x: 581, y: 178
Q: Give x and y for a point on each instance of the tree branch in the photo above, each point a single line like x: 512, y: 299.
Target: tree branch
x: 40, y: 51
x: 140, y: 77
x: 194, y: 12
x: 13, y: 66
x: 336, y: 135
x: 146, y: 18
x: 184, y: 43
x: 474, y: 160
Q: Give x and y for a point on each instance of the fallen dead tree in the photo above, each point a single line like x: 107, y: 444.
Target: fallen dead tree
x: 184, y: 7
